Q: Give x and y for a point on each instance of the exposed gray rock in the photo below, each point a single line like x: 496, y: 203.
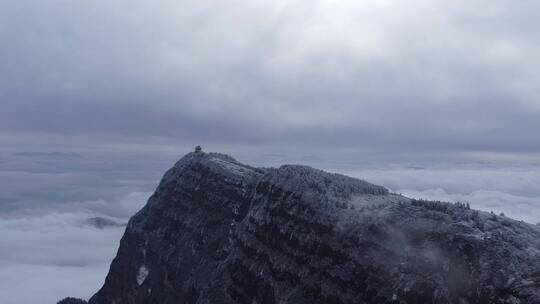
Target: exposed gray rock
x: 217, y: 231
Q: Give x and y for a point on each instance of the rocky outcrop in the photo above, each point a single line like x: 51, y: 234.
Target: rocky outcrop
x: 217, y: 231
x: 72, y: 301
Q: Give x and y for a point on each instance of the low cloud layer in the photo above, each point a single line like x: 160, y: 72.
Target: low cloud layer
x: 513, y: 191
x: 514, y: 206
x: 46, y: 255
x: 60, y: 180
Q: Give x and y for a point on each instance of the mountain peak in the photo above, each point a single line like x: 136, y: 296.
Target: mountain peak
x: 219, y: 231
x: 216, y: 162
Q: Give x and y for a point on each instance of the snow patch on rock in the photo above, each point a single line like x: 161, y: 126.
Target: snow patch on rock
x: 142, y: 274
x: 232, y: 167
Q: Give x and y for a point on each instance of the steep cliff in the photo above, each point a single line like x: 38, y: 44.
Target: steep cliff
x: 217, y: 231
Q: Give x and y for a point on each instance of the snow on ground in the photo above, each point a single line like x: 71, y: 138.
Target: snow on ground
x: 232, y: 167
x: 142, y: 274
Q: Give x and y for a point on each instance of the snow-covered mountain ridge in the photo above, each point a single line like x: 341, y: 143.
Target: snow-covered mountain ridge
x: 218, y: 231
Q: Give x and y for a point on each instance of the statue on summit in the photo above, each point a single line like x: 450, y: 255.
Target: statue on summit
x: 198, y: 149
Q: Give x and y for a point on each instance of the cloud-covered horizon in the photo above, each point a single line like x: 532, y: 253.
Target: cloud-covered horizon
x: 513, y: 191
x: 53, y: 252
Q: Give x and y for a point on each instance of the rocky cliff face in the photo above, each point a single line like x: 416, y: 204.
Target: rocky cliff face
x: 217, y: 231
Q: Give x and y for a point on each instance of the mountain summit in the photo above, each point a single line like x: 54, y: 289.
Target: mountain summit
x: 217, y: 231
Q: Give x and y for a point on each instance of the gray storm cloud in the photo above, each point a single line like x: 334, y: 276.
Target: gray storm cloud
x: 415, y: 74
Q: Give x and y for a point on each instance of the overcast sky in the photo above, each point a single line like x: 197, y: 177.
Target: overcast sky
x: 434, y: 99
x: 413, y: 75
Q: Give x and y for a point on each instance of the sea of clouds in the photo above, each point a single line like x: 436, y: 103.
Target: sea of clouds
x: 514, y: 191
x: 48, y: 247
x: 48, y: 250
x: 46, y: 255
